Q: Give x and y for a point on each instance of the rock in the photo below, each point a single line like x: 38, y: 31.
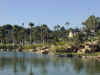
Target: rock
x: 20, y: 49
x: 61, y: 55
x: 70, y: 55
x: 1, y: 49
x: 45, y: 52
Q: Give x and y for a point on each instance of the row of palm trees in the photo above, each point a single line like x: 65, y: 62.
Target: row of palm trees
x: 44, y: 31
x: 12, y: 32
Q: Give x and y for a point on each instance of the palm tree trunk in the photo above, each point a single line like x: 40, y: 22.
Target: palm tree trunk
x: 31, y: 36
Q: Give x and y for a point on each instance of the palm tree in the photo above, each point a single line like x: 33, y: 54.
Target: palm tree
x: 31, y: 73
x: 42, y: 34
x: 67, y: 24
x: 2, y: 34
x: 24, y: 34
x: 31, y: 25
x: 45, y: 33
x: 57, y: 27
x: 15, y: 32
x: 57, y: 31
x: 7, y: 29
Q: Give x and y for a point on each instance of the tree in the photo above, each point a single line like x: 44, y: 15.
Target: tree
x: 92, y: 24
x: 7, y: 32
x: 31, y: 25
x: 63, y: 33
x: 2, y: 35
x: 57, y: 27
x: 15, y: 33
x: 44, y: 33
x: 67, y: 24
x: 57, y: 32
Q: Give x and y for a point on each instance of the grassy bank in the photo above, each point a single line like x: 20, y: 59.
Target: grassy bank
x: 8, y: 46
x: 59, y: 48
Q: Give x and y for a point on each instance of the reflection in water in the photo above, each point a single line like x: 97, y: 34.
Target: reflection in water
x: 31, y: 73
x: 33, y: 64
x: 77, y: 64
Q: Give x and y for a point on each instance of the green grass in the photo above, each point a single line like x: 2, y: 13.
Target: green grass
x: 8, y: 46
x: 32, y: 46
x: 73, y: 53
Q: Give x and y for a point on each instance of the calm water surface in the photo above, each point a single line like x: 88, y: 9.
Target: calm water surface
x: 34, y: 64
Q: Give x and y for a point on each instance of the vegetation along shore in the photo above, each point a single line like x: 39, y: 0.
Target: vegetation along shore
x: 59, y: 40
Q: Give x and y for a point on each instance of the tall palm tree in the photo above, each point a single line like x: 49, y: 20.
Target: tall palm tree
x: 67, y: 24
x: 41, y: 34
x: 24, y: 33
x: 2, y: 34
x: 44, y: 34
x: 45, y: 28
x: 15, y: 31
x: 7, y: 29
x: 57, y: 29
x: 31, y: 25
x: 31, y: 73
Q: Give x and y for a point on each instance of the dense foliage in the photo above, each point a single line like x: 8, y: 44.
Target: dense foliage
x: 43, y: 34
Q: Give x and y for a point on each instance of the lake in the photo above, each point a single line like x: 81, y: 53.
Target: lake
x: 12, y: 63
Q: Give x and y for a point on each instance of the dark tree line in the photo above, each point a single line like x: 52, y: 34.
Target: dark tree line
x: 43, y: 34
x: 34, y: 34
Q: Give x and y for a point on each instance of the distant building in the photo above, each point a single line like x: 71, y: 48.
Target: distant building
x: 71, y: 34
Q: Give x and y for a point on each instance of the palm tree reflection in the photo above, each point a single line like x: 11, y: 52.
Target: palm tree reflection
x: 31, y: 73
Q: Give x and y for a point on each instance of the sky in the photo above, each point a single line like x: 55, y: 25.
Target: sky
x: 50, y: 12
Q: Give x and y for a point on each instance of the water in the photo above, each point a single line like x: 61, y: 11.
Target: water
x: 35, y: 64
